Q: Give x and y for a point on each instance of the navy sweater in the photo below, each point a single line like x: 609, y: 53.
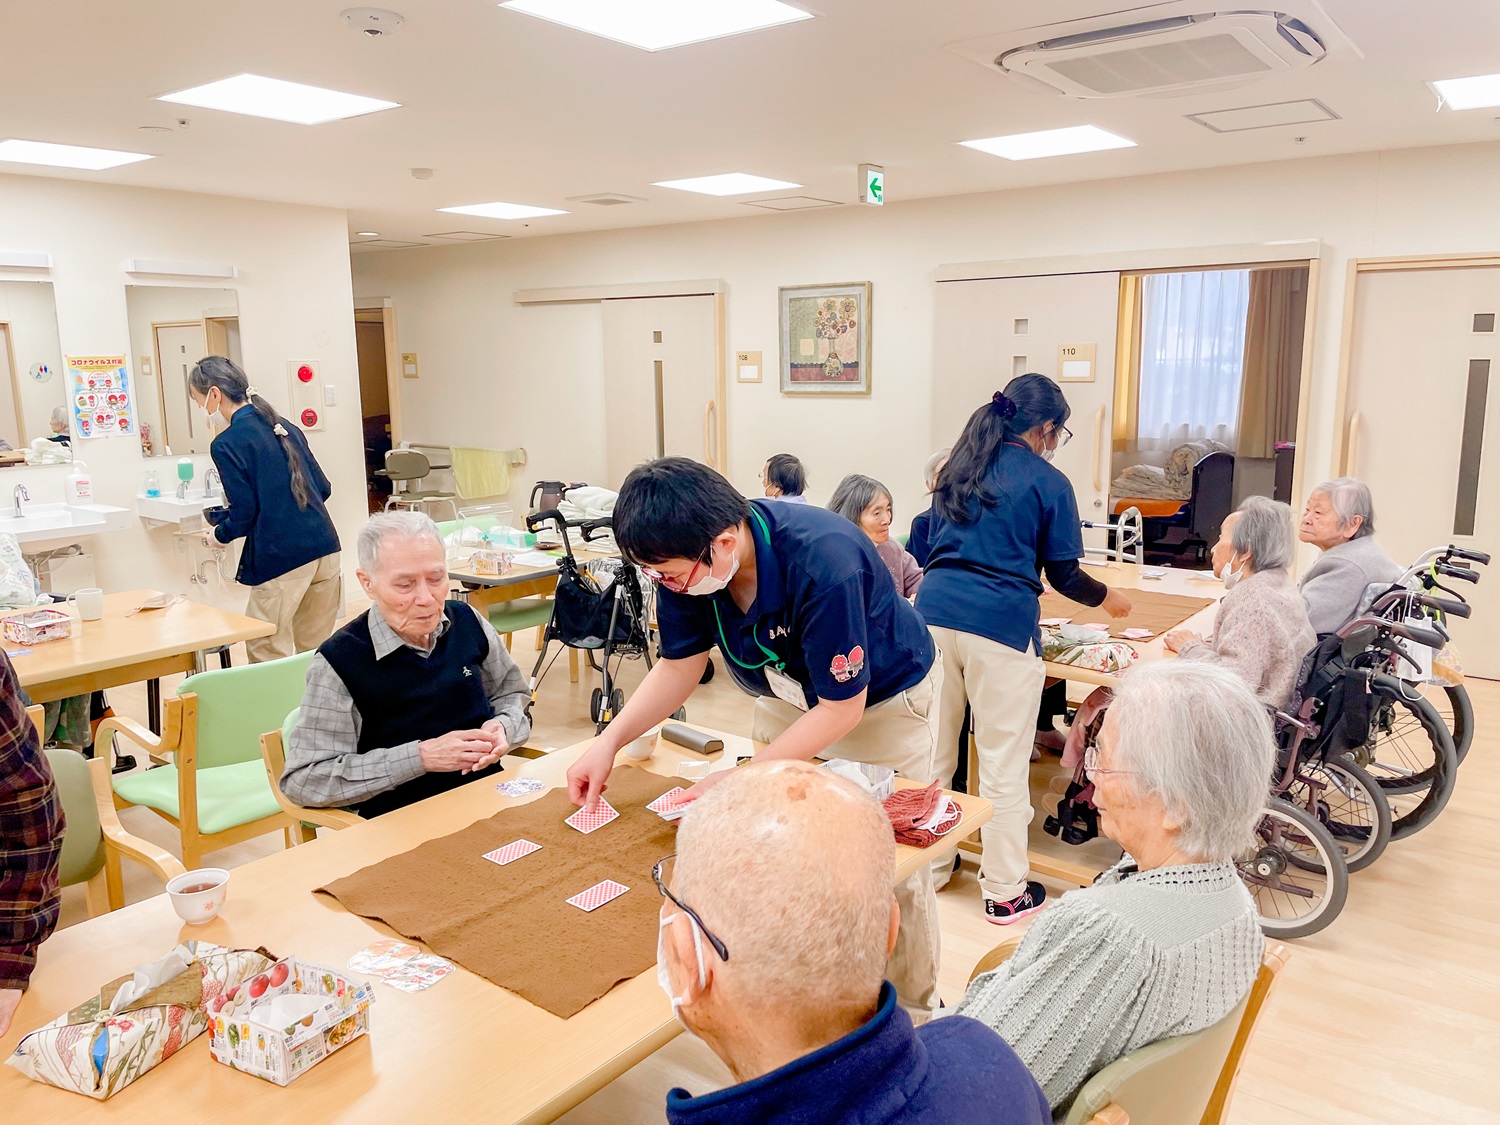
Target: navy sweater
x: 952, y: 1071
x: 279, y: 536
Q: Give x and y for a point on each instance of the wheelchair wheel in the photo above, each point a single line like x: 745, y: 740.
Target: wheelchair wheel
x: 1410, y: 754
x: 596, y: 705
x: 1349, y: 803
x: 1452, y: 703
x: 1294, y: 871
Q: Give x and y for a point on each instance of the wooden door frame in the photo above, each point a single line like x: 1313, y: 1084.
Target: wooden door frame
x: 1358, y: 266
x: 386, y: 309
x: 161, y: 386
x: 22, y: 440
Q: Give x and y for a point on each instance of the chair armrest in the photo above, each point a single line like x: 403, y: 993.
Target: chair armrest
x: 165, y: 865
x: 38, y: 716
x: 997, y: 956
x: 132, y: 730
x: 336, y: 819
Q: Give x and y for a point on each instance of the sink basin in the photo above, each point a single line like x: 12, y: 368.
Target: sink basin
x: 167, y: 509
x: 47, y: 525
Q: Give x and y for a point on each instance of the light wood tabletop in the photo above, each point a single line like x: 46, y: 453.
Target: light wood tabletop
x: 121, y: 648
x: 522, y: 581
x: 464, y: 1050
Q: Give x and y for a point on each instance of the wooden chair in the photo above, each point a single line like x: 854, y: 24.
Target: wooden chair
x: 215, y: 788
x: 1168, y: 1082
x: 94, y: 839
x: 273, y: 755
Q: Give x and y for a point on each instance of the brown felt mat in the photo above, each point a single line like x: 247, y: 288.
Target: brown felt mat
x: 512, y: 925
x: 1149, y: 609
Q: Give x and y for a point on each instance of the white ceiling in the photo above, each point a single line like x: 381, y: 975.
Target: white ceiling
x: 506, y: 107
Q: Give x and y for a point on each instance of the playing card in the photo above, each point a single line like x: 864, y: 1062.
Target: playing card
x: 1055, y: 621
x: 586, y: 821
x: 1137, y: 634
x: 520, y: 786
x: 670, y: 801
x: 1098, y: 628
x: 597, y: 895
x: 512, y: 852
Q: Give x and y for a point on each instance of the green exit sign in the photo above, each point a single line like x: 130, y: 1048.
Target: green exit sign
x: 871, y: 185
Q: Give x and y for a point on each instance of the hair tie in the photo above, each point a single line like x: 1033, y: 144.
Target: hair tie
x: 279, y: 430
x: 1006, y: 406
x: 250, y: 392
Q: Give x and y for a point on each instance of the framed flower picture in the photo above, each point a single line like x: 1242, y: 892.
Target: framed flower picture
x: 825, y: 339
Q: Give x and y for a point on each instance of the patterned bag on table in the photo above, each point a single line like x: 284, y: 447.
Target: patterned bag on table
x: 95, y: 1052
x: 1098, y: 656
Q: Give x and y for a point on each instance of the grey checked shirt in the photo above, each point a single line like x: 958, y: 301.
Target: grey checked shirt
x: 323, y: 766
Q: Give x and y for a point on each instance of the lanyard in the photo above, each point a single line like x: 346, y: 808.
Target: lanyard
x: 771, y: 657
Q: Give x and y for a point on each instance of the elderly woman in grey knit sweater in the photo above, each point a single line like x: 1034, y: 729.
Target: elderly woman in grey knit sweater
x: 1166, y: 942
x: 1339, y: 520
x: 1261, y: 631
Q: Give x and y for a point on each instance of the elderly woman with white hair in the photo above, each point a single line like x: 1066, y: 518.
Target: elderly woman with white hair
x: 1339, y: 520
x: 1167, y: 941
x: 1261, y: 631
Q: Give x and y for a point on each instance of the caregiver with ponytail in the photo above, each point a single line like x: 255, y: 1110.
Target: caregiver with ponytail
x: 275, y: 492
x: 1001, y: 514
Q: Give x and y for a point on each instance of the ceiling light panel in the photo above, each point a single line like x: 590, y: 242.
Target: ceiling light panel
x: 656, y: 25
x: 1480, y: 92
x: 502, y: 211
x: 1050, y: 142
x: 730, y: 183
x: 257, y: 96
x: 66, y: 156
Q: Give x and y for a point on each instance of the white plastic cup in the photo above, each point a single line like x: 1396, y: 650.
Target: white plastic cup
x: 90, y: 602
x: 199, y: 895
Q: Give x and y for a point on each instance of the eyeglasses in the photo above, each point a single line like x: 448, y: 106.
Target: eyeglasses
x: 1091, y: 763
x: 1067, y: 436
x: 661, y: 884
x: 676, y: 585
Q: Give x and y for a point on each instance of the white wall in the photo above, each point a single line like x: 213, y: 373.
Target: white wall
x: 497, y: 374
x: 294, y: 303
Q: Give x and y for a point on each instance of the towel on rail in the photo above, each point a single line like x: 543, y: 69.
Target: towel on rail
x: 484, y: 472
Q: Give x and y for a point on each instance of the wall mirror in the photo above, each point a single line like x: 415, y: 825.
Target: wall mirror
x: 32, y: 382
x: 171, y: 329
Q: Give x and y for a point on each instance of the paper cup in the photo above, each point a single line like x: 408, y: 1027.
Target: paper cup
x: 90, y: 603
x: 199, y: 895
x: 643, y: 747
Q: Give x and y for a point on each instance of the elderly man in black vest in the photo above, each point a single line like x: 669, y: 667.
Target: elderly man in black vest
x: 412, y: 698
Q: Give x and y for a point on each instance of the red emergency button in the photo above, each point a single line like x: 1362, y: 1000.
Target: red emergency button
x: 309, y: 417
x: 305, y: 373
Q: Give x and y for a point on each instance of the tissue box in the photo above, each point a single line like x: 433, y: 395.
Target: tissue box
x: 96, y: 1053
x: 491, y: 562
x: 246, y: 1033
x: 37, y: 626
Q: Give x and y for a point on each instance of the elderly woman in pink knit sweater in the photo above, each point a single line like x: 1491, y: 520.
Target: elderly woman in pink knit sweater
x: 1261, y: 631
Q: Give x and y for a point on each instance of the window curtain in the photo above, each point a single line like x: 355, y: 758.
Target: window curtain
x: 1273, y: 360
x: 1192, y: 358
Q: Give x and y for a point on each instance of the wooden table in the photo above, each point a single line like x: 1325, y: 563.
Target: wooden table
x: 119, y: 649
x: 522, y: 582
x: 465, y: 1050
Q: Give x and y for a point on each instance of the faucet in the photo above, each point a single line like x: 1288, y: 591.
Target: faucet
x: 182, y: 490
x: 20, y: 494
x: 213, y: 484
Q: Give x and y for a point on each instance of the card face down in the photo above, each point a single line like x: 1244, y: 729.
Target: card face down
x: 587, y: 822
x: 672, y: 801
x: 512, y: 852
x: 597, y: 895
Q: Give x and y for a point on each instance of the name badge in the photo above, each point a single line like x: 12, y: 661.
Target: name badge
x: 785, y: 688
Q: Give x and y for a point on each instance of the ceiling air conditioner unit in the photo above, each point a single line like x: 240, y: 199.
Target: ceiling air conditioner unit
x: 1167, y: 56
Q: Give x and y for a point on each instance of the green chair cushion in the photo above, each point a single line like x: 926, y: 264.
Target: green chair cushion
x: 238, y: 705
x: 83, y: 839
x: 228, y: 796
x: 523, y: 613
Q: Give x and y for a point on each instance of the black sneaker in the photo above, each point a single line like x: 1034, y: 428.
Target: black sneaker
x: 124, y: 763
x: 1028, y: 902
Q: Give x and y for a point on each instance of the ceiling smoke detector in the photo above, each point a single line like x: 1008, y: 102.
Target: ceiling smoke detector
x: 374, y: 23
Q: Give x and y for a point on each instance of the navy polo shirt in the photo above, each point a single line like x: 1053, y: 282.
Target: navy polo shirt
x: 985, y: 576
x: 825, y: 610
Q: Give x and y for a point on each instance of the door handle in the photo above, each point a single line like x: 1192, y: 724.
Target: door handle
x: 709, y: 452
x: 1098, y: 452
x: 1351, y: 445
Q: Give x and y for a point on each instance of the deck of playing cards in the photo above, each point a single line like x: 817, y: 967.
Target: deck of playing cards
x: 671, y: 804
x: 597, y: 895
x: 520, y: 786
x: 512, y: 852
x: 586, y: 821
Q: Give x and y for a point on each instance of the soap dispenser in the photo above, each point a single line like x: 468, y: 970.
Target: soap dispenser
x: 77, y: 487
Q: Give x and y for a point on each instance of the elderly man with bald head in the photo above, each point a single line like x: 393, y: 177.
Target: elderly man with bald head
x: 773, y: 955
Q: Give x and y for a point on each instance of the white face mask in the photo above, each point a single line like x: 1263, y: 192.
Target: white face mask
x: 1048, y: 454
x: 708, y: 584
x: 213, y: 420
x: 663, y: 977
x: 1228, y: 576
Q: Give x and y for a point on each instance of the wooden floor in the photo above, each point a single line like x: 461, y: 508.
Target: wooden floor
x: 1390, y: 1015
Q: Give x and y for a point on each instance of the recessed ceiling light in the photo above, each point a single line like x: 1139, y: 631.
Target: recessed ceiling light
x: 1050, y: 142
x: 66, y: 156
x: 257, y: 96
x: 655, y: 25
x: 730, y: 183
x: 1479, y: 92
x: 503, y: 211
x: 368, y: 233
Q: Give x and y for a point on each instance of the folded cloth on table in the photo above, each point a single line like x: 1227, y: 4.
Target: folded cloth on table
x: 920, y: 817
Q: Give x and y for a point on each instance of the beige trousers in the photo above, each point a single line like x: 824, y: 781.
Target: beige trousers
x: 303, y: 604
x: 899, y: 732
x: 1003, y: 688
